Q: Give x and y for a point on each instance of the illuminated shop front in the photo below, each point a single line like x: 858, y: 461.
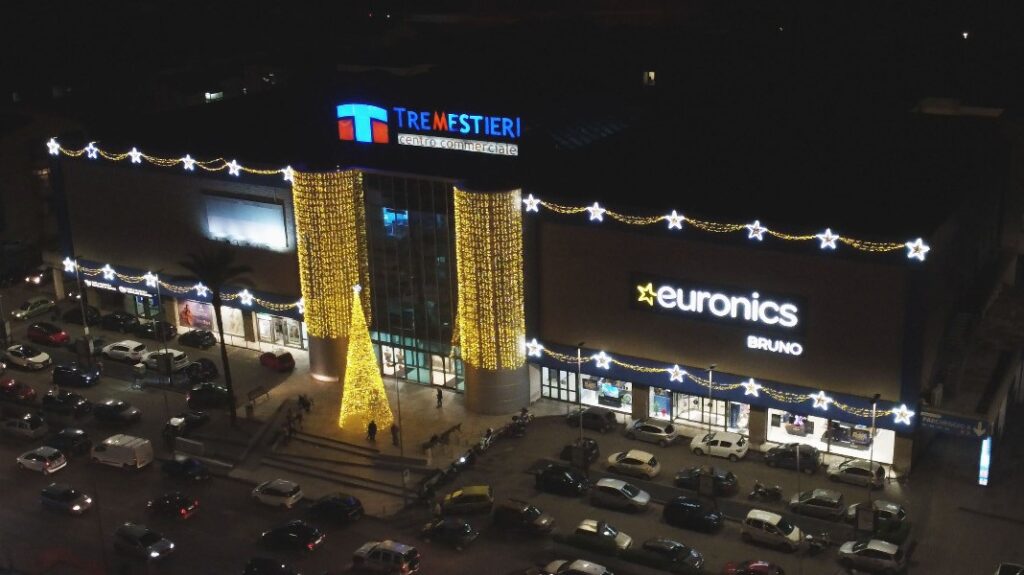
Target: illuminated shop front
x: 602, y: 391
x: 699, y: 409
x: 831, y: 435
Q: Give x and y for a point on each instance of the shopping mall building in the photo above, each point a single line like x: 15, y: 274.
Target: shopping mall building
x: 500, y: 242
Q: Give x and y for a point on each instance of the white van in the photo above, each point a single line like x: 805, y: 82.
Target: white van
x: 124, y: 451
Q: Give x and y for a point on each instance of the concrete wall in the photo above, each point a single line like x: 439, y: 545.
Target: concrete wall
x: 853, y: 313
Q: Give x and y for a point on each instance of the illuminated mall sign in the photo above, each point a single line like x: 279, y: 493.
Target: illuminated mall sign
x: 441, y: 129
x: 111, y: 287
x: 754, y: 309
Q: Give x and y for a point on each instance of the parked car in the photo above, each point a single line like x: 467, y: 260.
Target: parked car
x: 71, y: 441
x: 337, y: 507
x: 296, y: 535
x: 752, y: 568
x: 577, y: 567
x: 469, y: 499
x: 771, y: 529
x: 822, y: 503
x: 597, y: 418
x: 26, y: 357
x: 74, y: 315
x: 182, y: 467
x: 600, y: 535
x: 159, y: 330
x: 174, y: 504
x: 38, y: 276
x: 13, y: 390
x: 617, y: 494
x: 885, y: 511
x: 268, y: 566
x: 64, y: 498
x: 278, y: 492
x: 64, y: 402
x: 591, y: 451
x: 123, y: 451
x: 201, y: 370
x: 32, y: 307
x: 386, y: 557
x: 28, y: 426
x: 562, y: 480
x: 184, y: 423
x: 654, y: 431
x: 120, y: 321
x: 115, y: 411
x: 281, y: 361
x: 75, y: 375
x: 44, y: 459
x: 450, y: 531
x: 208, y: 395
x: 518, y: 514
x: 692, y: 513
x: 786, y: 456
x: 200, y: 338
x: 1010, y: 569
x: 724, y: 483
x: 45, y: 333
x: 858, y: 472
x: 873, y: 555
x: 141, y: 541
x: 721, y: 444
x: 125, y: 350
x: 179, y: 360
x: 670, y: 555
x: 634, y: 462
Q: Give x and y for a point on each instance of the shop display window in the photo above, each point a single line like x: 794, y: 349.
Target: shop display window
x: 610, y: 393
x: 831, y: 436
x: 661, y: 403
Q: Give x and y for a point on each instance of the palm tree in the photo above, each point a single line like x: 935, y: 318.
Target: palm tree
x: 215, y: 270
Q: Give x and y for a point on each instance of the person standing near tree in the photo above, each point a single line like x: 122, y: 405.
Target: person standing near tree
x: 371, y: 430
x: 439, y: 397
x: 394, y: 434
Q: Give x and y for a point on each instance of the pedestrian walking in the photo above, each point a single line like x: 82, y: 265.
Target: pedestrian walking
x: 394, y: 434
x: 439, y: 397
x: 305, y: 403
x: 371, y: 431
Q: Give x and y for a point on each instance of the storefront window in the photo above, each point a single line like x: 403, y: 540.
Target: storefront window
x: 196, y: 315
x: 726, y: 415
x: 661, y: 403
x: 610, y: 393
x: 557, y: 384
x: 279, y: 330
x: 831, y: 436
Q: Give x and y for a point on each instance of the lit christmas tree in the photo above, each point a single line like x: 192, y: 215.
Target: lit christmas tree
x: 363, y: 396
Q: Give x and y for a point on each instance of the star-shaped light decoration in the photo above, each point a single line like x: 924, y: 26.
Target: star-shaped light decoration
x: 917, y: 249
x: 828, y: 239
x: 288, y: 173
x: 53, y: 146
x: 596, y: 212
x: 189, y: 162
x: 533, y: 348
x: 750, y: 387
x: 136, y: 156
x: 675, y: 220
x: 245, y: 297
x: 532, y: 204
x: 151, y: 279
x: 902, y: 414
x: 201, y: 290
x: 821, y: 400
x: 676, y: 374
x: 756, y: 230
x: 108, y: 272
x: 646, y: 293
x: 91, y: 151
x: 301, y: 305
x: 233, y: 168
x: 603, y: 360
x: 69, y: 265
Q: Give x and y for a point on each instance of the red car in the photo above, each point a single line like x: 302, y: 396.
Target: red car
x: 752, y: 568
x: 16, y: 391
x: 280, y: 361
x: 47, y: 334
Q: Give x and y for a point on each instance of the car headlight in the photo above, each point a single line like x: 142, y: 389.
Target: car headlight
x: 154, y: 554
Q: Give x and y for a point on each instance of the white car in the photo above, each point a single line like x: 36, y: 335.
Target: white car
x: 858, y: 472
x: 28, y: 426
x: 602, y: 533
x: 720, y: 444
x: 278, y: 492
x: 577, y: 567
x: 874, y: 555
x: 126, y: 350
x: 27, y: 357
x: 771, y: 529
x: 179, y: 359
x: 43, y: 459
x: 634, y: 462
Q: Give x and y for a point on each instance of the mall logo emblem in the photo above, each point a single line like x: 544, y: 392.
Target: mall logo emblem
x: 362, y: 123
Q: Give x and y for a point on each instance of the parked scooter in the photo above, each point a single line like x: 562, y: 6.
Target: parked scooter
x: 818, y: 544
x: 762, y: 493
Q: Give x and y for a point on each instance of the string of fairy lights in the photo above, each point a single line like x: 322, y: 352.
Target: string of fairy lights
x: 244, y: 296
x: 821, y: 400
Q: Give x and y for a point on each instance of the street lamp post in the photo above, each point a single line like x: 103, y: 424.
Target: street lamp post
x: 579, y: 386
x: 82, y: 303
x: 871, y: 450
x: 711, y: 386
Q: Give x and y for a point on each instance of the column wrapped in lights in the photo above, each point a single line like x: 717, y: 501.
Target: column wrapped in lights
x: 491, y: 324
x: 330, y: 225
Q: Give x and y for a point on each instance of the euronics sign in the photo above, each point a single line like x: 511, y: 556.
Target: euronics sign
x: 442, y: 129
